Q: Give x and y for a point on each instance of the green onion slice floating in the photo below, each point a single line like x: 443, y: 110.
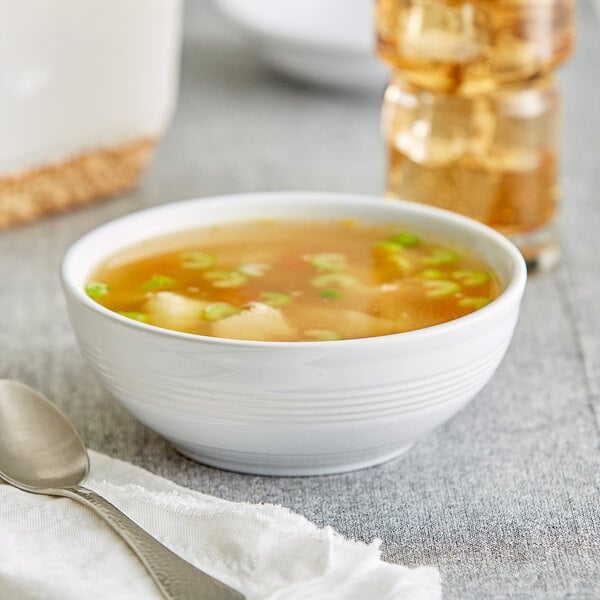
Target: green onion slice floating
x: 219, y: 310
x: 275, y: 299
x: 226, y: 279
x: 159, y: 282
x: 440, y: 256
x: 327, y: 279
x: 197, y: 260
x: 470, y: 278
x: 431, y: 274
x: 405, y: 239
x: 96, y: 289
x: 474, y: 302
x: 328, y: 261
x: 393, y: 252
x: 322, y: 335
x: 136, y: 316
x: 331, y: 294
x: 441, y: 288
x: 401, y: 262
x: 388, y: 246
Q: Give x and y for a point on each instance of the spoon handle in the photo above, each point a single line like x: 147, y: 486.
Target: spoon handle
x: 176, y: 578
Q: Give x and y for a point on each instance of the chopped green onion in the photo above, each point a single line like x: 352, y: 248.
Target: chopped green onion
x: 219, y: 310
x: 330, y: 294
x: 255, y: 269
x: 96, y: 289
x: 431, y: 274
x: 159, y: 282
x: 341, y: 279
x: 275, y: 299
x: 470, y: 278
x: 393, y: 253
x: 401, y: 262
x: 328, y: 261
x: 474, y: 302
x: 136, y: 316
x: 441, y: 288
x: 388, y: 246
x: 440, y: 256
x: 226, y: 279
x: 197, y: 260
x: 405, y: 239
x: 322, y: 335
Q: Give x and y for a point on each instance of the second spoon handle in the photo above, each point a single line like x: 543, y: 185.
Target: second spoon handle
x: 176, y: 578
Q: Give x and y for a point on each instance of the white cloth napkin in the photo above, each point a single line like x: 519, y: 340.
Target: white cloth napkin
x: 55, y: 549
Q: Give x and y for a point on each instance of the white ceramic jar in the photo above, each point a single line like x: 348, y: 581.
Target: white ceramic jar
x: 86, y: 91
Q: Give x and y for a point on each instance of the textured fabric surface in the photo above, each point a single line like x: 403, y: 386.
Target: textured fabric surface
x: 55, y: 549
x: 504, y: 498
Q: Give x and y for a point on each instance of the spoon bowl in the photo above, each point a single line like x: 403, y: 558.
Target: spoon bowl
x: 41, y: 452
x: 55, y: 455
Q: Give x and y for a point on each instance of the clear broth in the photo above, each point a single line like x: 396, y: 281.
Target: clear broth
x: 294, y: 281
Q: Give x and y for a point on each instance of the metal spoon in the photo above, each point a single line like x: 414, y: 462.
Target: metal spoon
x: 41, y: 452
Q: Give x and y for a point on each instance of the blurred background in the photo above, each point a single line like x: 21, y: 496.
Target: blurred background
x: 292, y: 95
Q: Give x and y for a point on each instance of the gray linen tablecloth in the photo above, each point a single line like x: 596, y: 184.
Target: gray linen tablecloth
x: 504, y: 499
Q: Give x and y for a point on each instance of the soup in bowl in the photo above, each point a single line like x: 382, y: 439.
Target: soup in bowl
x: 293, y: 333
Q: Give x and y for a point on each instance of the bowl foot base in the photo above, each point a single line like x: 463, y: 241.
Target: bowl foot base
x: 291, y: 466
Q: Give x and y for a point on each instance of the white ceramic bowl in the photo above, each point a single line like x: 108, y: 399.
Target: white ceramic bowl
x: 292, y: 408
x: 326, y: 42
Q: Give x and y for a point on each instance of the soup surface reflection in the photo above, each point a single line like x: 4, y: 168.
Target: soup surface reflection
x: 294, y: 281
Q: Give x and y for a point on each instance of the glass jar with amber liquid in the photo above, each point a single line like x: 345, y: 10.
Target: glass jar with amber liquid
x: 471, y: 113
x: 474, y: 46
x: 491, y: 157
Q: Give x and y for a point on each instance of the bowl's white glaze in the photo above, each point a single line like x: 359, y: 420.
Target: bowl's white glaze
x: 292, y: 408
